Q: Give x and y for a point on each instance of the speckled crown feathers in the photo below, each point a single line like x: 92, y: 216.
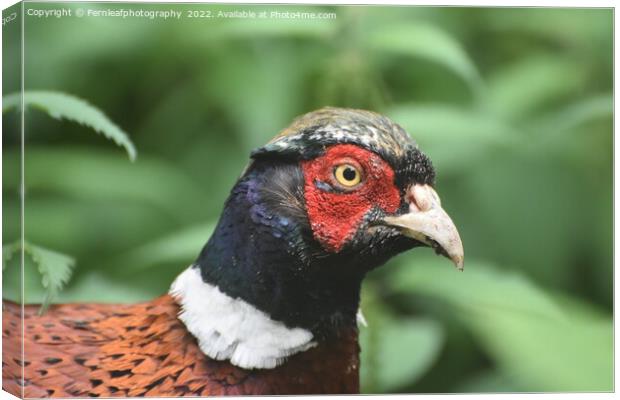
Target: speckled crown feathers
x: 315, y: 130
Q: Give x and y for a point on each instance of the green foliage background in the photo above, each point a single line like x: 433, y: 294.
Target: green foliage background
x: 514, y: 106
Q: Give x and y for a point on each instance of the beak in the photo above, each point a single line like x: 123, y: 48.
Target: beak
x: 428, y: 223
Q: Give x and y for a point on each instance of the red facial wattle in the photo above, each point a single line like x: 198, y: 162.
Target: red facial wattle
x: 335, y: 216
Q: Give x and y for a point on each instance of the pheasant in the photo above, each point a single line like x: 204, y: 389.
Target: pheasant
x: 270, y: 305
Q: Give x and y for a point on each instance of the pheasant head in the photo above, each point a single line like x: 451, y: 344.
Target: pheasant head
x: 333, y: 196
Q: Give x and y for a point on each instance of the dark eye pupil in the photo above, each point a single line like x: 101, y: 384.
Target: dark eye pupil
x: 349, y: 174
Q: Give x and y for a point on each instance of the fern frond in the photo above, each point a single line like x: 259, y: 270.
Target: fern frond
x: 55, y: 268
x: 63, y: 106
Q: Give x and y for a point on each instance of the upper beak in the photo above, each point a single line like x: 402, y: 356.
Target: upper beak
x: 428, y: 223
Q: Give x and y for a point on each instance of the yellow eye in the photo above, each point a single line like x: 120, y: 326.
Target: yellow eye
x: 347, y: 175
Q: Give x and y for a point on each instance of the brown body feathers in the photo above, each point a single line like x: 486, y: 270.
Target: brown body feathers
x: 144, y: 350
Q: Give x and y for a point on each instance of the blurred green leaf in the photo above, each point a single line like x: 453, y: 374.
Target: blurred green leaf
x: 396, y: 352
x: 548, y: 355
x: 405, y: 349
x: 350, y: 79
x: 454, y: 138
x: 531, y: 84
x: 95, y: 230
x: 98, y: 174
x: 524, y: 330
x: 271, y: 71
x: 567, y: 27
x: 568, y: 118
x: 488, y: 382
x: 522, y: 219
x: 60, y: 105
x: 422, y: 40
x: 479, y: 287
x: 180, y: 247
x: 96, y: 286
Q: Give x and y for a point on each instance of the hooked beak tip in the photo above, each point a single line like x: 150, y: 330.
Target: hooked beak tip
x: 459, y: 262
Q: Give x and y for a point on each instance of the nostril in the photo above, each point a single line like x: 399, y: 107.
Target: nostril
x: 420, y: 198
x: 413, y: 204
